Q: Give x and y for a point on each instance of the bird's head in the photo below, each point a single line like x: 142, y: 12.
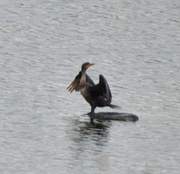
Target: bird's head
x: 86, y: 65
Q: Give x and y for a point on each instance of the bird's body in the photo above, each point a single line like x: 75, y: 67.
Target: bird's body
x: 96, y: 95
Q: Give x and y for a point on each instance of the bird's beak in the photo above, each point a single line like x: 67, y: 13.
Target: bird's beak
x: 91, y: 64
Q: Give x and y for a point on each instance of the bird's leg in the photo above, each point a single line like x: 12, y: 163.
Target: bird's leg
x: 92, y: 114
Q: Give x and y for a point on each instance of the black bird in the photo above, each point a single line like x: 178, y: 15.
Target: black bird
x: 96, y: 95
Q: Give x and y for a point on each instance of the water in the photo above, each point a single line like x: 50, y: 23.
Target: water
x: 134, y: 44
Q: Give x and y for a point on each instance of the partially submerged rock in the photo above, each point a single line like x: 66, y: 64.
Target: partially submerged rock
x: 115, y: 116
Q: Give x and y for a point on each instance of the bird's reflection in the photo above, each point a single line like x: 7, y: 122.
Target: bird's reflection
x: 88, y: 141
x: 99, y: 130
x: 85, y: 133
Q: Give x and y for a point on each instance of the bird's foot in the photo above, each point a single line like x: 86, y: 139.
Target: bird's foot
x: 89, y: 113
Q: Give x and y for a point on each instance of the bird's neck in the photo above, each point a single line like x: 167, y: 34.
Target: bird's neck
x: 83, y: 79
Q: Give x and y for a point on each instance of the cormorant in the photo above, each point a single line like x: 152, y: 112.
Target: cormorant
x: 96, y: 95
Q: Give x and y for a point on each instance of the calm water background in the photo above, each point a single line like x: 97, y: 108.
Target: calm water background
x: 134, y: 44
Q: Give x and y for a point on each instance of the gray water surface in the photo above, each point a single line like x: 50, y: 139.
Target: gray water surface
x: 134, y: 44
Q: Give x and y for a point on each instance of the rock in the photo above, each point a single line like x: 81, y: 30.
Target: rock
x: 116, y: 116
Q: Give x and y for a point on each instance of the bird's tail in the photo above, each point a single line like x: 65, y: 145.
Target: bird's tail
x: 115, y: 106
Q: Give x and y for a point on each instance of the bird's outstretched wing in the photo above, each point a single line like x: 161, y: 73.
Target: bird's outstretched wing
x: 75, y: 83
x: 106, y: 90
x: 101, y: 89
